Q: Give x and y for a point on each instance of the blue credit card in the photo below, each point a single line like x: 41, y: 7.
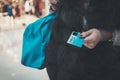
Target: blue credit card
x: 75, y: 39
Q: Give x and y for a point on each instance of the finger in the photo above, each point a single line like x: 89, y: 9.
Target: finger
x: 88, y: 45
x: 87, y: 33
x: 89, y: 39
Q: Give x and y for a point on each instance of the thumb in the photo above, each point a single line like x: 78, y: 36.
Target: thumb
x: 89, y: 42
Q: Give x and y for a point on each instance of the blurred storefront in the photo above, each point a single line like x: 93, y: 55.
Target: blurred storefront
x: 5, y: 1
x: 45, y: 6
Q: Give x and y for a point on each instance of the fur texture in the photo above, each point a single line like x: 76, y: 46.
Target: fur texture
x: 67, y: 62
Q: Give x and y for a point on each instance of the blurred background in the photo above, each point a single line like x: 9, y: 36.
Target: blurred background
x: 15, y: 15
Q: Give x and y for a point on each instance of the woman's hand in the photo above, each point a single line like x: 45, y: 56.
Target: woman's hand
x: 94, y: 36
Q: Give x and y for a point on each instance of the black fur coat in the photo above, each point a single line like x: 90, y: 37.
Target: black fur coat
x: 73, y: 63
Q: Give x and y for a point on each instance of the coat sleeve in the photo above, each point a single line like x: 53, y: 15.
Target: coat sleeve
x: 116, y: 40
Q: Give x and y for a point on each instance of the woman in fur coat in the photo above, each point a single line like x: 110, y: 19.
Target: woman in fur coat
x: 68, y: 62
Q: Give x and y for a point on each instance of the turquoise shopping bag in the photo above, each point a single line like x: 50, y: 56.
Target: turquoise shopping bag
x: 35, y: 37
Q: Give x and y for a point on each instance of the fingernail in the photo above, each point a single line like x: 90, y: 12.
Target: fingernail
x: 81, y: 35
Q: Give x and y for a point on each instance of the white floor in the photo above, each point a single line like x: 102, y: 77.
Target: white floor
x: 10, y: 57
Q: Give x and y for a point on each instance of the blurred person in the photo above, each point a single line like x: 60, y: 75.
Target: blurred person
x: 22, y: 8
x: 18, y: 10
x: 27, y: 7
x: 4, y: 6
x: 10, y: 11
x: 14, y: 11
x: 4, y: 9
x: 38, y: 7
